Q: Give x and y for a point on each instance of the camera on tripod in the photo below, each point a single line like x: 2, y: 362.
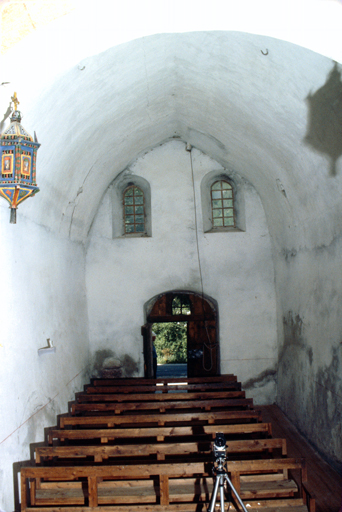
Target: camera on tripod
x: 219, y: 446
x: 222, y: 481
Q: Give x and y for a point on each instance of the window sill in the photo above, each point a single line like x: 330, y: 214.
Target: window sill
x: 225, y: 230
x: 134, y: 235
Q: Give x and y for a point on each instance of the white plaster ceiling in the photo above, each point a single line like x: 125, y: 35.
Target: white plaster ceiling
x: 96, y: 114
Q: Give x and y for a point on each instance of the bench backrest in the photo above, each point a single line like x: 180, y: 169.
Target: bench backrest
x: 157, y: 432
x: 163, y: 472
x: 162, y: 405
x: 161, y: 450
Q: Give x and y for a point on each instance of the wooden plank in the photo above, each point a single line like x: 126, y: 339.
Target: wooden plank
x: 171, y: 405
x: 92, y: 491
x: 136, y: 381
x: 172, y: 418
x: 158, y: 397
x: 179, y: 448
x: 175, y: 507
x: 179, y: 507
x: 23, y: 492
x: 162, y: 388
x: 267, y: 489
x: 164, y: 490
x: 117, y: 433
x: 144, y: 470
x: 190, y: 490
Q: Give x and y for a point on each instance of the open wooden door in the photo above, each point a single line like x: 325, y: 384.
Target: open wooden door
x: 146, y: 332
x: 202, y: 348
x: 202, y: 329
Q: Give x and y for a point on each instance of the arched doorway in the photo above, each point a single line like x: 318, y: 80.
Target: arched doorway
x: 201, y: 316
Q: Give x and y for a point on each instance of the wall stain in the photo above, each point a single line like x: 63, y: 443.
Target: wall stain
x: 324, y: 130
x: 99, y: 358
x: 261, y: 380
x: 294, y: 341
x: 326, y: 397
x: 289, y: 254
x: 129, y: 365
x: 293, y: 329
x: 125, y: 363
x: 311, y: 398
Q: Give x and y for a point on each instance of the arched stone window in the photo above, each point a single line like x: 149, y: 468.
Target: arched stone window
x: 131, y: 206
x: 134, y: 210
x: 223, y: 205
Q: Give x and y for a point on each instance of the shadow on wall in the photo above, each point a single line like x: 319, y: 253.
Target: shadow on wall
x: 107, y: 365
x: 324, y: 131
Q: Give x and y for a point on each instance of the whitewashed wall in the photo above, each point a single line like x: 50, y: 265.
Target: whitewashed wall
x: 43, y: 296
x: 124, y: 273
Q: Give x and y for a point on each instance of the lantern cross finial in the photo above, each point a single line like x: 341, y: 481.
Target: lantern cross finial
x: 15, y: 101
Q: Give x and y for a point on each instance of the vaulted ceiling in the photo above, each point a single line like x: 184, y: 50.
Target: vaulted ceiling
x: 269, y: 109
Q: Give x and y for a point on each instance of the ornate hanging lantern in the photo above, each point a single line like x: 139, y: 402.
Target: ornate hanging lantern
x: 18, y: 156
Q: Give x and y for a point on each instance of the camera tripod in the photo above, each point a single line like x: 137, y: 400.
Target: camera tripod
x: 221, y: 476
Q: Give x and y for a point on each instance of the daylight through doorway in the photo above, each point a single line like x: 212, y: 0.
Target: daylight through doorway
x: 200, y: 315
x: 171, y: 349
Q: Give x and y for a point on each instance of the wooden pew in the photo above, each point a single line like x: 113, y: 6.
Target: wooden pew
x: 137, y: 381
x: 158, y: 397
x: 162, y: 406
x: 193, y: 418
x: 160, y: 433
x: 159, y: 451
x: 157, y: 487
x: 164, y: 388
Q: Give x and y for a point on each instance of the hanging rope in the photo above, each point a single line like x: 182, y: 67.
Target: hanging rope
x: 210, y: 346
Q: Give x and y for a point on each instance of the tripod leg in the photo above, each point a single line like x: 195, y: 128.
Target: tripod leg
x: 236, y: 494
x: 222, y: 493
x: 214, y: 496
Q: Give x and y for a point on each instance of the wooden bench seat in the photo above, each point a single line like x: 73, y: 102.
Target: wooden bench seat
x: 119, y: 408
x: 272, y: 506
x: 164, y: 388
x: 201, y: 449
x: 193, y: 418
x: 160, y: 433
x: 156, y: 484
x: 157, y: 397
x: 183, y: 490
x: 137, y: 381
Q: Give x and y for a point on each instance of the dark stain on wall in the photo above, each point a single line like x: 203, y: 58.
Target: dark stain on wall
x: 99, y: 358
x: 312, y: 398
x: 324, y: 130
x: 126, y: 364
x: 130, y: 367
x: 293, y: 329
x: 294, y: 341
x: 261, y: 380
x: 326, y: 398
x: 289, y: 254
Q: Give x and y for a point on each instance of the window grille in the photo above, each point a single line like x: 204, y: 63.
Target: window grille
x: 181, y: 305
x: 222, y: 204
x: 134, y: 210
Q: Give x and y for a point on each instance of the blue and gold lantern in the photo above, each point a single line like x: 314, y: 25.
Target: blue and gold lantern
x: 18, y: 157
